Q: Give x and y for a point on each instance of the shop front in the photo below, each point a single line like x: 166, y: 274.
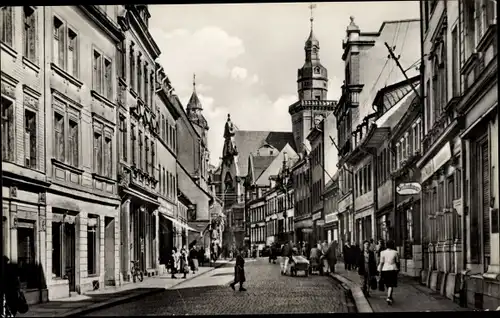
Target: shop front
x: 24, y: 234
x: 363, y: 223
x: 304, y: 231
x: 331, y: 228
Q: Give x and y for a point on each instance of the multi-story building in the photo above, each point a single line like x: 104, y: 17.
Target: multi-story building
x: 459, y: 161
x: 398, y: 180
x: 257, y: 222
x: 330, y: 207
x: 167, y: 116
x: 355, y: 114
x: 138, y: 174
x: 303, y: 225
x: 316, y: 161
x: 24, y: 185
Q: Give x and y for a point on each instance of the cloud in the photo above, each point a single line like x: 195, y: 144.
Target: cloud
x: 255, y: 79
x: 206, y: 52
x: 239, y: 73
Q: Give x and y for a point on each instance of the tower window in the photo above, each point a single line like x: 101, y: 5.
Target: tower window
x: 316, y: 70
x: 318, y: 97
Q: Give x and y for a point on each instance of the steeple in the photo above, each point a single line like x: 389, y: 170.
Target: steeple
x: 312, y: 78
x: 194, y: 108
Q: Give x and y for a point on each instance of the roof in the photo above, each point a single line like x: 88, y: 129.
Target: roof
x: 249, y: 141
x: 260, y: 163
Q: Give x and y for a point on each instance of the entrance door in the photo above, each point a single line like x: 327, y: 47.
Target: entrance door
x: 26, y: 255
x: 109, y: 251
x: 69, y: 255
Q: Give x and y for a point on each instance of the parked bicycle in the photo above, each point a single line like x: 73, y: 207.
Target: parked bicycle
x: 136, y: 272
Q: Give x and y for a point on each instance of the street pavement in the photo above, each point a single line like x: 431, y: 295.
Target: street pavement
x: 409, y: 296
x: 267, y: 292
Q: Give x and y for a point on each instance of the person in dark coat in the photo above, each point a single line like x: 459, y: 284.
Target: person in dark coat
x: 347, y: 251
x: 12, y: 288
x: 201, y: 256
x: 367, y: 266
x: 193, y: 259
x: 331, y: 256
x: 239, y: 271
x: 356, y: 254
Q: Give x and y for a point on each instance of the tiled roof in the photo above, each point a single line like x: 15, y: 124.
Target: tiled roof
x: 249, y: 141
x: 260, y: 163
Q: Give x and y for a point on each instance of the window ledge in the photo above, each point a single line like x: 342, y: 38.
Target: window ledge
x: 133, y: 92
x: 66, y: 166
x: 30, y: 64
x: 102, y: 98
x: 8, y: 49
x: 487, y: 38
x: 469, y: 63
x: 73, y: 80
x: 92, y: 275
x: 103, y: 178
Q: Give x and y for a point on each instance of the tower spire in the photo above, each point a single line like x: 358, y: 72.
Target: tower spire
x: 194, y: 82
x: 312, y: 6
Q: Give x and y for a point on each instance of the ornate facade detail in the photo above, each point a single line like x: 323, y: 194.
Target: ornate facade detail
x: 13, y: 192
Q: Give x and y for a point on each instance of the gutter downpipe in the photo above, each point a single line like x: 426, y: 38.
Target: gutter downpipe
x: 422, y: 97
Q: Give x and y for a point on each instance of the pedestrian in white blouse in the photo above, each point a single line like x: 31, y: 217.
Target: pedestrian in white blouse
x: 389, y: 269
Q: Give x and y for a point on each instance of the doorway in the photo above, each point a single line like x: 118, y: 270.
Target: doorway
x: 26, y: 255
x: 69, y: 254
x: 109, y: 251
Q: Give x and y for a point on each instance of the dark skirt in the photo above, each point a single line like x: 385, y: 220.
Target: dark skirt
x: 239, y: 274
x: 390, y: 278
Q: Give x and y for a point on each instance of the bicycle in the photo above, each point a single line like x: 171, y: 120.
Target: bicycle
x: 136, y: 272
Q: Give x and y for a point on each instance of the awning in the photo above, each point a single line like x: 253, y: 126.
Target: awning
x: 179, y: 223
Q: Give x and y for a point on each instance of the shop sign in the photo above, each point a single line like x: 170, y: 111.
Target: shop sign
x: 320, y: 223
x: 332, y: 217
x: 316, y: 216
x: 437, y: 162
x: 307, y: 230
x: 409, y: 188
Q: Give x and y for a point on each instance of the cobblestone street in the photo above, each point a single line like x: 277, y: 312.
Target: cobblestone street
x: 267, y: 292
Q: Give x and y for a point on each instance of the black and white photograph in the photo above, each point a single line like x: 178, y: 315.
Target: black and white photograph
x: 249, y: 158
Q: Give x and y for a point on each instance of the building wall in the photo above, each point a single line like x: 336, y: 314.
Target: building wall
x: 194, y: 193
x: 330, y: 150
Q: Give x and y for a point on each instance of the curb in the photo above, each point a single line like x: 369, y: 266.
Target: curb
x: 123, y: 299
x: 360, y: 301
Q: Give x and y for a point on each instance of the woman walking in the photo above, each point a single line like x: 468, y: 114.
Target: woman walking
x: 193, y: 259
x: 174, y: 263
x: 389, y: 269
x: 184, y: 262
x: 331, y: 256
x: 367, y: 267
x: 239, y: 271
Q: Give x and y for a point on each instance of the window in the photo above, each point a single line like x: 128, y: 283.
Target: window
x: 93, y: 245
x: 455, y: 63
x: 428, y: 106
x: 73, y: 143
x: 102, y: 80
x: 108, y: 157
x: 146, y: 87
x: 7, y: 25
x: 121, y: 59
x: 123, y: 138
x: 65, y: 47
x: 98, y: 153
x: 369, y: 176
x: 146, y: 159
x: 29, y: 33
x: 7, y: 130
x: 139, y: 75
x: 153, y: 156
x: 30, y: 148
x: 132, y: 130
x: 141, y: 163
x: 59, y: 137
x: 164, y: 181
x: 132, y: 66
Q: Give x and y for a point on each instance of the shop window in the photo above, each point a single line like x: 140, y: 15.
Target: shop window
x: 93, y: 245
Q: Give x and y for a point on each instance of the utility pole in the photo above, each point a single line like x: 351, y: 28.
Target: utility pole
x: 396, y: 59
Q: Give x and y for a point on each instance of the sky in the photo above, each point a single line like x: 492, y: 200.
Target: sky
x: 246, y: 56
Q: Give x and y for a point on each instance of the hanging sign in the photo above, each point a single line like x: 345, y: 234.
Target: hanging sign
x: 409, y: 188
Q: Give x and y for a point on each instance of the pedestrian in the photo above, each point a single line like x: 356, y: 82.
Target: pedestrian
x: 13, y: 298
x: 286, y: 255
x: 184, y: 265
x: 201, y: 256
x: 347, y: 253
x: 356, y: 254
x: 193, y: 258
x: 174, y: 263
x: 324, y: 258
x: 331, y: 256
x: 239, y: 271
x: 389, y: 269
x: 367, y: 267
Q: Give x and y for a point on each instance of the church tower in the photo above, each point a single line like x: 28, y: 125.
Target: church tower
x: 312, y: 89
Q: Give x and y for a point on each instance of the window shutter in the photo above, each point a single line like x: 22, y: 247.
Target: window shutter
x: 99, y: 77
x: 61, y: 45
x: 108, y: 79
x: 7, y: 25
x: 27, y: 152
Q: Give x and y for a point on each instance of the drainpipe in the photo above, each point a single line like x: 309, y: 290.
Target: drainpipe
x: 422, y: 97
x: 465, y: 209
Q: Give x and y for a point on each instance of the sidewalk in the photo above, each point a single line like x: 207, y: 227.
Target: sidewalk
x: 110, y: 296
x: 409, y: 296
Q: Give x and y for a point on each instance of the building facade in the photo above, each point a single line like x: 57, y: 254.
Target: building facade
x: 24, y: 184
x: 331, y: 227
x: 458, y: 165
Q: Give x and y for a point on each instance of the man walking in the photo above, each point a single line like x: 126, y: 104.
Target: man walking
x: 286, y: 254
